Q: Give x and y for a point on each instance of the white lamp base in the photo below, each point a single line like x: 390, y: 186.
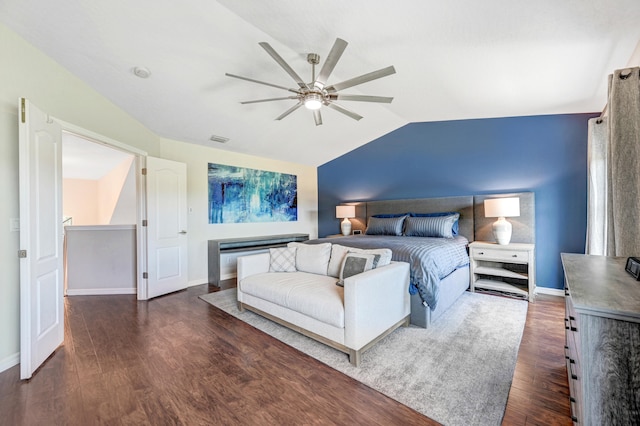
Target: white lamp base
x: 502, y: 231
x: 345, y: 225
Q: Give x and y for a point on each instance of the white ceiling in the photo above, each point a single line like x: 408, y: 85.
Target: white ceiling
x: 83, y: 159
x: 454, y: 60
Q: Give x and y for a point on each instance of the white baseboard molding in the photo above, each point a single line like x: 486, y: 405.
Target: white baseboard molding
x: 203, y: 281
x: 9, y: 361
x: 550, y: 291
x: 228, y: 276
x: 100, y: 291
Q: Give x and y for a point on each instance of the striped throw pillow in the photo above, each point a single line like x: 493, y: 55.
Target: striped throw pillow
x: 438, y: 226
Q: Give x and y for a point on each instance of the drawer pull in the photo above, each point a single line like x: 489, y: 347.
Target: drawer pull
x: 514, y: 255
x: 481, y: 253
x: 573, y: 375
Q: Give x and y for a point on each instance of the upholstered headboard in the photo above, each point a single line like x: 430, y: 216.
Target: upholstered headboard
x: 472, y: 224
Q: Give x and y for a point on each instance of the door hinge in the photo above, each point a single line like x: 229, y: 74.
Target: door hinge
x: 145, y: 275
x: 144, y: 222
x: 22, y: 254
x: 144, y: 171
x: 23, y: 110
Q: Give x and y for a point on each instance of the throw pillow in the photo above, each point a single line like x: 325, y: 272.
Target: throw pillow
x: 283, y: 259
x: 354, y: 264
x: 338, y: 253
x: 384, y: 254
x: 441, y: 226
x: 385, y: 225
x: 312, y: 258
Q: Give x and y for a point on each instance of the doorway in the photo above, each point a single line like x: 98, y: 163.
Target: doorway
x: 99, y: 212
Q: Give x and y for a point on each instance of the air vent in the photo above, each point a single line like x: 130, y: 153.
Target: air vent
x: 219, y: 139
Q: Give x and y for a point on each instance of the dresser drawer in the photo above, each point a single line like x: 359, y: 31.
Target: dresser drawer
x: 514, y: 256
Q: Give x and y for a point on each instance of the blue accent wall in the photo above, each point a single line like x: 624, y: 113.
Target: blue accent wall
x: 543, y: 154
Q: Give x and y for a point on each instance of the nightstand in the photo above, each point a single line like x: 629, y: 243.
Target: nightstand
x: 506, y: 268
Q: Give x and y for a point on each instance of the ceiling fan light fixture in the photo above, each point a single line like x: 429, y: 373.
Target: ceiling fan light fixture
x: 313, y: 101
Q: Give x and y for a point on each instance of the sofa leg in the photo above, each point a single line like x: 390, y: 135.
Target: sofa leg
x: 354, y: 358
x: 240, y: 307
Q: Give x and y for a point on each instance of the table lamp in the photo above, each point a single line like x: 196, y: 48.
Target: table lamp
x: 501, y: 208
x: 345, y: 212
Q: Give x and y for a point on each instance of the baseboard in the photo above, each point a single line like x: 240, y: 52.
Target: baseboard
x: 9, y: 361
x: 550, y: 291
x: 100, y: 291
x: 228, y: 276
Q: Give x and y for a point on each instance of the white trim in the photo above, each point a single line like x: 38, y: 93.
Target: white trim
x: 550, y: 291
x: 100, y: 227
x: 228, y: 276
x: 200, y: 281
x: 141, y: 195
x: 100, y: 291
x: 10, y: 361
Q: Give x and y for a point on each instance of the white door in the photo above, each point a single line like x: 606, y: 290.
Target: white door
x: 166, y: 226
x: 41, y: 270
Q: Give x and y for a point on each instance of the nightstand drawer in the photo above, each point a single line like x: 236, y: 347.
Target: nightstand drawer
x: 506, y: 255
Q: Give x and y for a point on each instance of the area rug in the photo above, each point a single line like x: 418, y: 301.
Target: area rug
x: 458, y: 372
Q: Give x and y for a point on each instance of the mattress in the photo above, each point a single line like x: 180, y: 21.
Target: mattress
x: 430, y: 259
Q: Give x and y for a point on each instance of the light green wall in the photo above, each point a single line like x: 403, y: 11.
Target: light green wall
x: 197, y: 158
x: 27, y: 72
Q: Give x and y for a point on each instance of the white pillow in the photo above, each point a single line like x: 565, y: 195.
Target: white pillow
x: 313, y: 258
x: 283, y: 259
x: 355, y: 263
x: 338, y: 253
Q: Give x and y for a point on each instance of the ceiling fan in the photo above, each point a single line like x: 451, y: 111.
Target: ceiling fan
x: 317, y: 93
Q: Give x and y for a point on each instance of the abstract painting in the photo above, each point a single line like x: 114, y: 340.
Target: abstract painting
x: 241, y: 195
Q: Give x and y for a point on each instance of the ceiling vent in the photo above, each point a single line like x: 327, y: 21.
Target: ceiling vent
x: 219, y: 139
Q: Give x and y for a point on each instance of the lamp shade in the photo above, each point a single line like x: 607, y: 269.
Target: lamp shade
x: 345, y: 211
x: 502, y: 207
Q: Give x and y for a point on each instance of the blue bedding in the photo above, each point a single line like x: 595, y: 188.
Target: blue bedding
x: 430, y: 259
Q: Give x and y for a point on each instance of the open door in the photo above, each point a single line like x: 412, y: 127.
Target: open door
x: 166, y: 226
x: 41, y: 269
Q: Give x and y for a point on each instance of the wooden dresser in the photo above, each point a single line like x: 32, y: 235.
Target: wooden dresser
x: 602, y: 340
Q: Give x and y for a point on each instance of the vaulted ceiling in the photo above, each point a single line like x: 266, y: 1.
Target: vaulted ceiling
x: 454, y: 60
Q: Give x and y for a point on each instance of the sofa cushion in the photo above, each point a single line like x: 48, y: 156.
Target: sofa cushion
x: 356, y: 263
x: 313, y: 258
x: 385, y: 254
x: 313, y: 295
x: 282, y: 259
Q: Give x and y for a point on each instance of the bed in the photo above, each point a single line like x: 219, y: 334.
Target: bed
x: 435, y: 284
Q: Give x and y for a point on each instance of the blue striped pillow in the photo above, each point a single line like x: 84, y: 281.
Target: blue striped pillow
x: 433, y: 226
x: 385, y: 225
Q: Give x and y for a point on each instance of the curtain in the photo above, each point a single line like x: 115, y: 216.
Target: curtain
x: 597, y: 186
x: 618, y: 233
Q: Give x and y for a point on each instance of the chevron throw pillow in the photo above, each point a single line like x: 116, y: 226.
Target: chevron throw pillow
x: 283, y: 259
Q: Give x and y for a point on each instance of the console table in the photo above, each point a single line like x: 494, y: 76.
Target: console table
x: 230, y: 245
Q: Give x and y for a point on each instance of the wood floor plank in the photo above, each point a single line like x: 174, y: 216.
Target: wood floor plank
x: 177, y: 360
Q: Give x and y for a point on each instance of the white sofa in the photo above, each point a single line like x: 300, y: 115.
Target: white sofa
x: 351, y: 318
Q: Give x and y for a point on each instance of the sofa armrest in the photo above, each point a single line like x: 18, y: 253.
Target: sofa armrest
x: 374, y: 301
x: 252, y: 265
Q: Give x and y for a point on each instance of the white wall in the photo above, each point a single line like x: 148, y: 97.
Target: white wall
x: 80, y: 201
x: 197, y: 158
x: 115, y: 198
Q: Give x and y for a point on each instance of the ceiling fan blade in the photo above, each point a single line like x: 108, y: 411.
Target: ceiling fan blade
x: 266, y: 46
x: 260, y: 82
x: 360, y: 98
x: 344, y: 111
x: 269, y: 100
x: 317, y: 117
x: 362, y: 79
x: 330, y: 63
x: 290, y: 110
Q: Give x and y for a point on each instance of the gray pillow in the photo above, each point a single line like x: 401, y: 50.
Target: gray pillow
x: 356, y: 263
x: 432, y: 226
x: 385, y: 225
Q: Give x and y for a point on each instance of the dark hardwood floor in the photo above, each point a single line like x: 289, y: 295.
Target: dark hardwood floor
x: 178, y: 360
